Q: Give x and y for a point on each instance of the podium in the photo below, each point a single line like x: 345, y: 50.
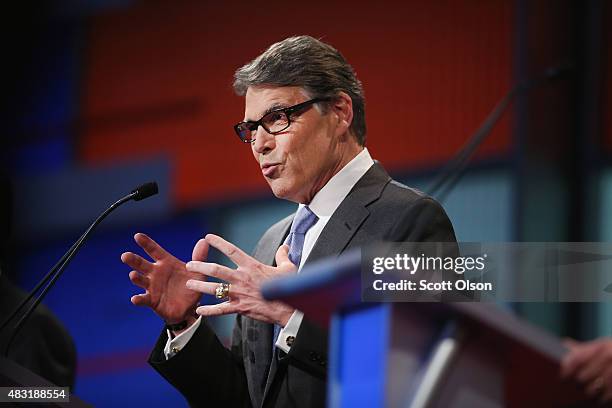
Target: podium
x: 424, y: 354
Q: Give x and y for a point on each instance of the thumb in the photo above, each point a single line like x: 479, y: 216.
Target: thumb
x: 200, y: 251
x: 282, y: 258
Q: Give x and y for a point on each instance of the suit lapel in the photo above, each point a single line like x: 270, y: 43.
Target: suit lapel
x: 349, y: 216
x: 262, y: 346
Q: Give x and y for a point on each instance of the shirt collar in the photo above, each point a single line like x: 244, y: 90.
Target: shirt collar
x: 328, y: 199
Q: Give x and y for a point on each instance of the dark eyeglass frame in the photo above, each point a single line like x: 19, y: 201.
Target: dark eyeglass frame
x: 289, y: 111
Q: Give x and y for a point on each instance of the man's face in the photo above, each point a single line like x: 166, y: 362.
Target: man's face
x: 298, y: 161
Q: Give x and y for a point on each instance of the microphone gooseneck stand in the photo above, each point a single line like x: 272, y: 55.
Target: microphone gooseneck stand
x: 140, y: 193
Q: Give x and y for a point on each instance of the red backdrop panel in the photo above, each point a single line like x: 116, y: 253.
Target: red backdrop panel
x: 158, y: 81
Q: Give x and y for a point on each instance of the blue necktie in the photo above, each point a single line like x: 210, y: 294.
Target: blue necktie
x: 304, y: 219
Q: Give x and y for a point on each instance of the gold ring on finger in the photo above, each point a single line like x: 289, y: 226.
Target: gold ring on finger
x: 222, y: 291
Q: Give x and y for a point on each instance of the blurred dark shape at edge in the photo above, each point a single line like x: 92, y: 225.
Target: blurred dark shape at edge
x: 43, y: 345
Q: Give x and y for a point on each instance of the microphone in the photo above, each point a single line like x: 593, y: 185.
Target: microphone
x: 139, y: 193
x: 145, y: 191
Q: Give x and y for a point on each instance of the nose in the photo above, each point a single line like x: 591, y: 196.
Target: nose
x: 264, y: 142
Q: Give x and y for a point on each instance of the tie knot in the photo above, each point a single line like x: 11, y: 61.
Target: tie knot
x: 304, y: 219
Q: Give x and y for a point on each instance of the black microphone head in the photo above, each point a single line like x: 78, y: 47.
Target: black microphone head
x: 145, y: 191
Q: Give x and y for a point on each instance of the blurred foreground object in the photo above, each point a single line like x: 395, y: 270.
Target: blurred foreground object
x: 43, y: 345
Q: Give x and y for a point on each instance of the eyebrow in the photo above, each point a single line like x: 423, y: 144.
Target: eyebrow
x: 275, y: 106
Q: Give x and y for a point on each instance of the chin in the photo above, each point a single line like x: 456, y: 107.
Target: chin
x: 282, y: 191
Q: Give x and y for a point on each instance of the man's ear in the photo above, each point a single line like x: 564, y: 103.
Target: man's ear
x: 342, y: 107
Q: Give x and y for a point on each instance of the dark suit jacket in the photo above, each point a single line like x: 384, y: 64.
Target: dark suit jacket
x: 208, y: 374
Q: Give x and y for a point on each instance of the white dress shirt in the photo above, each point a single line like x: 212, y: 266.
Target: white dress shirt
x: 323, y: 205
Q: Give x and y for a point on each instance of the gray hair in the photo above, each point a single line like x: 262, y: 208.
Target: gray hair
x: 311, y: 64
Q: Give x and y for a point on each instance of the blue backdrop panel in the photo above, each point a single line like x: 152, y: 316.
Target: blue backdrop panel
x: 51, y: 73
x: 244, y: 225
x: 57, y: 203
x: 605, y: 231
x: 140, y: 387
x: 41, y: 117
x: 50, y: 154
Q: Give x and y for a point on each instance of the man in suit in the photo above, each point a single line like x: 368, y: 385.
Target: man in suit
x: 305, y: 122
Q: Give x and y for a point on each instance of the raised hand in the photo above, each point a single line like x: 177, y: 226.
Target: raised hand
x: 245, y: 283
x: 164, y: 280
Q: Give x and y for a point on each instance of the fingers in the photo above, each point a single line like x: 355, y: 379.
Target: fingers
x: 592, y: 369
x: 282, y: 259
x: 204, y: 287
x: 151, y: 247
x: 588, y: 363
x: 595, y: 387
x: 230, y: 250
x: 217, y: 310
x: 143, y: 299
x: 136, y: 262
x: 576, y: 358
x: 606, y: 377
x: 212, y: 269
x: 570, y: 366
x: 200, y: 250
x: 139, y: 279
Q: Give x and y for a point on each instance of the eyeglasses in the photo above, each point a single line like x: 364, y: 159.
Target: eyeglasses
x: 273, y: 122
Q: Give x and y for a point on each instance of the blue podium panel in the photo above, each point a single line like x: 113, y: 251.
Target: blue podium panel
x: 358, y: 348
